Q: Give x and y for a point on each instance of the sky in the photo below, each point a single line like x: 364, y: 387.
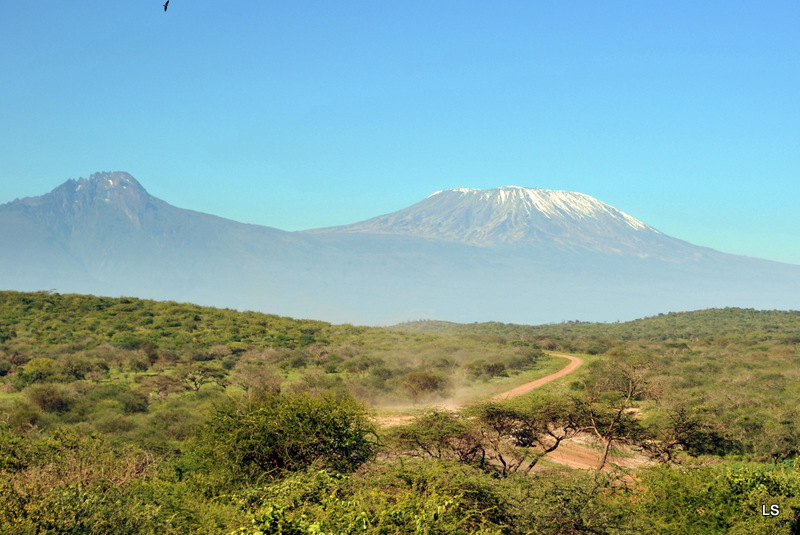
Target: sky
x: 304, y: 114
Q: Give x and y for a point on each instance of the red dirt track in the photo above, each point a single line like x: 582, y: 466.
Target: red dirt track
x: 574, y: 364
x: 576, y: 452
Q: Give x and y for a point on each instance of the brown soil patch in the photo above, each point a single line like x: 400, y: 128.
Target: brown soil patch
x: 578, y: 453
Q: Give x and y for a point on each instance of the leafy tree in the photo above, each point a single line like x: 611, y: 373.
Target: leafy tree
x: 482, y: 368
x: 37, y: 370
x: 684, y: 429
x: 161, y: 386
x: 75, y: 366
x: 428, y: 497
x: 441, y: 434
x: 510, y: 435
x: 50, y: 397
x: 73, y: 483
x: 713, y: 499
x: 250, y: 376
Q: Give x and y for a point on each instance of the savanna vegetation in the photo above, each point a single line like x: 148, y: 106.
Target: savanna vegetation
x: 133, y: 416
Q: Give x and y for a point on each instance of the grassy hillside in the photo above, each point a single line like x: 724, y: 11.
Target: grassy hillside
x: 111, y: 363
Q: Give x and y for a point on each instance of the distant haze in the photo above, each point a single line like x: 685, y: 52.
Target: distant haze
x: 509, y: 254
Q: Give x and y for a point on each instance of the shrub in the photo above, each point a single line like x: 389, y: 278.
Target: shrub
x: 23, y: 417
x: 431, y: 497
x: 37, y: 370
x: 420, y: 384
x: 271, y: 434
x: 50, y: 397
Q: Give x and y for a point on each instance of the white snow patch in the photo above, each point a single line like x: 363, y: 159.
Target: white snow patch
x: 552, y: 204
x: 457, y: 190
x: 558, y: 204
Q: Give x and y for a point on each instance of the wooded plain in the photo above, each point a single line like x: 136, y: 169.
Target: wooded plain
x: 121, y: 415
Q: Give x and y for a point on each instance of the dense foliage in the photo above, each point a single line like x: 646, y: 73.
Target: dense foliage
x: 132, y: 416
x: 143, y: 370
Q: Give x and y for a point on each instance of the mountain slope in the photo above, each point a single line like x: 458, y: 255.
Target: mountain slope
x: 107, y: 234
x: 526, y: 217
x: 510, y: 254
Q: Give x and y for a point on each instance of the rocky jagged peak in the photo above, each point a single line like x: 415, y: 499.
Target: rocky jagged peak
x: 110, y: 180
x: 105, y: 195
x: 117, y: 183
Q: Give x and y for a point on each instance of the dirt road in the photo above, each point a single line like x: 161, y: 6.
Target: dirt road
x: 574, y: 364
x: 576, y: 452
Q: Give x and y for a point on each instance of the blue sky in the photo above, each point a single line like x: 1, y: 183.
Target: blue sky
x: 299, y: 115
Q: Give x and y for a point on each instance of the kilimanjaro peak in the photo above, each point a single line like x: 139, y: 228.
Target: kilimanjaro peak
x: 516, y: 216
x: 549, y: 203
x: 110, y: 181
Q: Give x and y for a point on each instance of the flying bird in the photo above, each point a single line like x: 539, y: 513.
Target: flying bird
x: 165, y: 5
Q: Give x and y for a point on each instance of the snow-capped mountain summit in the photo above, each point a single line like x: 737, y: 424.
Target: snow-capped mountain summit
x: 550, y: 203
x: 516, y: 216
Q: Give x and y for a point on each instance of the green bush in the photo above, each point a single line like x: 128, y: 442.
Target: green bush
x: 267, y: 435
x: 68, y: 483
x: 431, y: 497
x: 715, y: 499
x: 50, y: 397
x: 37, y: 370
x: 422, y: 384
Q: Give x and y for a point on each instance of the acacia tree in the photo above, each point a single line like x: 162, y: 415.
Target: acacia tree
x: 197, y: 374
x: 517, y: 434
x: 605, y: 407
x: 683, y: 428
x: 441, y: 434
x: 547, y: 421
x: 673, y: 435
x: 508, y: 436
x: 419, y: 384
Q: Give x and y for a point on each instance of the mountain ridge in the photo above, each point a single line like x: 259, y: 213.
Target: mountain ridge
x: 106, y: 235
